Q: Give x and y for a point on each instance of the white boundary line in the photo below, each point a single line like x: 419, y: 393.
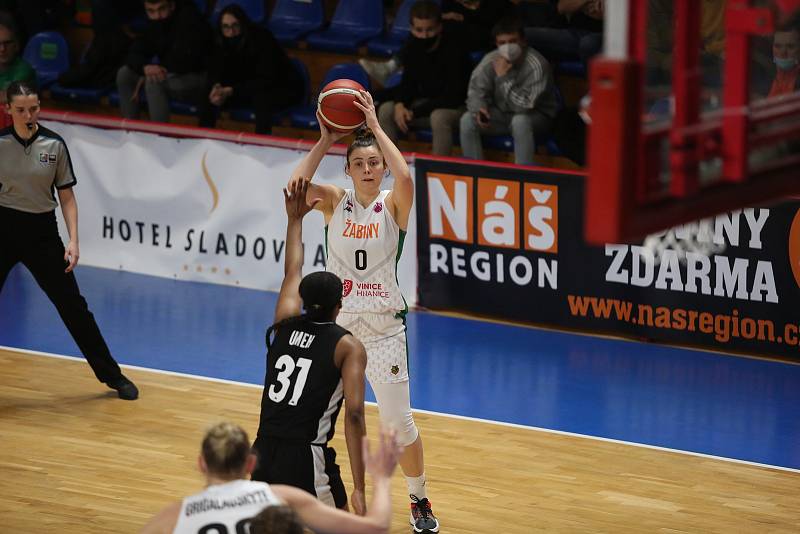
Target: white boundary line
x: 428, y: 412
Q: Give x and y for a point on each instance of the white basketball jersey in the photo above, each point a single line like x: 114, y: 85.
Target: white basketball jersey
x: 364, y: 245
x: 224, y: 507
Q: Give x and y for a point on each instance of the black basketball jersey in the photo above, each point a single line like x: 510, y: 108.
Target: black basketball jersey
x: 303, y: 389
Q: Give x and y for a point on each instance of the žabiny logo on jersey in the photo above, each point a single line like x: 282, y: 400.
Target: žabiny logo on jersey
x: 503, y: 249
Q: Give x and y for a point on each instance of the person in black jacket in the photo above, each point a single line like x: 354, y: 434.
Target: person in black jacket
x: 433, y: 88
x: 249, y: 69
x: 169, y: 58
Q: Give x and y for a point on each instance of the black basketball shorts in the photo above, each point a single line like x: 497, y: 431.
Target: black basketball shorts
x: 309, y: 467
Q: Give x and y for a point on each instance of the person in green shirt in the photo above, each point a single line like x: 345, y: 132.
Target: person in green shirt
x: 12, y: 66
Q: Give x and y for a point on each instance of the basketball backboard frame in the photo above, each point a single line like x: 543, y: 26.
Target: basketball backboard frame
x: 627, y: 197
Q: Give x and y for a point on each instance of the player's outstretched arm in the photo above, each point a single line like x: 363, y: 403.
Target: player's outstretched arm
x: 289, y: 301
x: 305, y: 170
x: 353, y: 357
x: 328, y: 520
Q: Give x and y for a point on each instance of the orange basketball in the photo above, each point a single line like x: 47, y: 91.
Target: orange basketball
x: 335, y: 105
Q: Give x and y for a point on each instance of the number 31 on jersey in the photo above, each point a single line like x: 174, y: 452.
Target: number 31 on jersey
x: 286, y: 367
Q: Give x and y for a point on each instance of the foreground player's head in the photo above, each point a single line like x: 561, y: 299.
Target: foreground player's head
x: 225, y: 452
x: 365, y: 163
x: 276, y: 520
x: 322, y: 296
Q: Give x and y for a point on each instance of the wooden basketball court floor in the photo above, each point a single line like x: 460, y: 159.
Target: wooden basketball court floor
x: 535, y: 430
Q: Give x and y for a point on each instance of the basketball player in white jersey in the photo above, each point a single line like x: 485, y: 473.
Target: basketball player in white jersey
x: 365, y: 228
x: 230, y: 501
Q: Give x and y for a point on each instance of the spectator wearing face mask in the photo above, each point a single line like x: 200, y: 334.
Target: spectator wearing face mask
x: 511, y: 90
x: 434, y: 83
x: 169, y: 59
x: 785, y: 56
x: 468, y: 21
x: 472, y: 20
x: 248, y: 69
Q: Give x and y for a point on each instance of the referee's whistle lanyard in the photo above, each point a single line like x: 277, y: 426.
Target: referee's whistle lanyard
x: 28, y: 143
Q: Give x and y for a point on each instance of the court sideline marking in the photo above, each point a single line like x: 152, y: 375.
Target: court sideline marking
x: 429, y: 412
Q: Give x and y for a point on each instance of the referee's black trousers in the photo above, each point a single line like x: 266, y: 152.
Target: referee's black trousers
x: 32, y: 238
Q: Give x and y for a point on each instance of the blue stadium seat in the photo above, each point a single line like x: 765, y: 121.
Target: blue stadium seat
x: 353, y: 23
x: 113, y: 98
x: 391, y: 43
x: 571, y: 68
x: 294, y: 19
x: 248, y: 115
x: 183, y: 108
x: 48, y: 54
x: 253, y: 8
x: 306, y: 117
x: 85, y: 95
x: 394, y: 79
x: 201, y: 6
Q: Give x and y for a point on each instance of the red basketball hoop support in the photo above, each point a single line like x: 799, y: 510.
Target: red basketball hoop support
x: 627, y: 196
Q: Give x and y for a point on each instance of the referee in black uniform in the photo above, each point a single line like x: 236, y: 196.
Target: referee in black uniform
x: 34, y: 163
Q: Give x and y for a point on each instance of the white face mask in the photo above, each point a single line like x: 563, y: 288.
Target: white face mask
x: 785, y: 63
x: 510, y: 51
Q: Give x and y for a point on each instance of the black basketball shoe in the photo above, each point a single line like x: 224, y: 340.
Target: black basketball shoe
x: 422, y: 518
x: 126, y: 389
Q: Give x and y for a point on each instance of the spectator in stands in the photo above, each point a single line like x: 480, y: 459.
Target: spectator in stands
x: 660, y: 42
x: 511, y: 89
x: 434, y: 83
x: 169, y: 58
x: 786, y: 57
x: 473, y: 20
x: 34, y: 16
x: 12, y: 67
x: 249, y: 69
x: 537, y: 13
x: 468, y: 21
x: 579, y: 38
x: 113, y: 15
x: 108, y: 48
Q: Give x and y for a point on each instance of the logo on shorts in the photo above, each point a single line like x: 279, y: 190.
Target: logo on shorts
x: 347, y: 287
x: 395, y: 369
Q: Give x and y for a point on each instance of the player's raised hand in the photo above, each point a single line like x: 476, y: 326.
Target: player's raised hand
x: 326, y: 134
x: 294, y: 196
x: 382, y: 463
x: 365, y: 103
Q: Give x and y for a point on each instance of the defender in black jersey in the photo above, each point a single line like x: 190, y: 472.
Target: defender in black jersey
x: 312, y: 366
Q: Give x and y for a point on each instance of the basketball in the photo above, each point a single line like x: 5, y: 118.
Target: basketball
x: 336, y: 107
